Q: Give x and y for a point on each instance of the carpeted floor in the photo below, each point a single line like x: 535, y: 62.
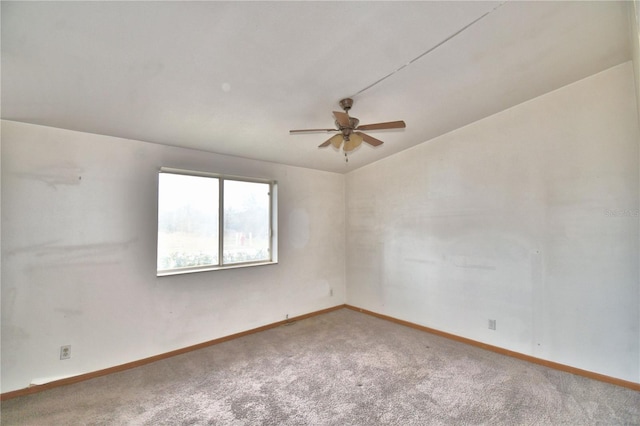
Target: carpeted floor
x: 340, y: 368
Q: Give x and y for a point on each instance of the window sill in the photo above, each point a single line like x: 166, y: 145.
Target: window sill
x: 212, y: 268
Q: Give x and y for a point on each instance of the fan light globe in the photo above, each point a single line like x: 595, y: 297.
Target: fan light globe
x: 336, y: 140
x: 353, y: 142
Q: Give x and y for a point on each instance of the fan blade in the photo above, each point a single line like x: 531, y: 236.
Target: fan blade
x: 342, y: 118
x: 381, y: 126
x: 293, y: 132
x: 336, y: 140
x: 369, y: 139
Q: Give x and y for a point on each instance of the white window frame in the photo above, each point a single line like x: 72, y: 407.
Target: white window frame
x: 273, y: 223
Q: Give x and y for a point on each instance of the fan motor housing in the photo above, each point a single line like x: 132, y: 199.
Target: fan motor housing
x: 353, y: 123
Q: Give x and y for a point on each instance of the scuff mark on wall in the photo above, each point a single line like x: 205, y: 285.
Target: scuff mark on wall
x: 463, y: 262
x: 69, y: 312
x: 73, y: 251
x: 55, y: 176
x: 425, y: 261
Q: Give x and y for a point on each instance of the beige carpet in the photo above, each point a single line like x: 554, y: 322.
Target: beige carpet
x: 340, y: 368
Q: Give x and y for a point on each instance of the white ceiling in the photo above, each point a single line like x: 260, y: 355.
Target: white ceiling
x: 234, y: 77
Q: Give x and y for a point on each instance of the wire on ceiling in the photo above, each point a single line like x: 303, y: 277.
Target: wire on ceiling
x: 431, y: 49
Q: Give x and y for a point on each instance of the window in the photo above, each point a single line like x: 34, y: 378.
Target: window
x: 209, y: 221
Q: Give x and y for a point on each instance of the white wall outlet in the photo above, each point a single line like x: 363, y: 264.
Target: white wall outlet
x: 492, y: 324
x: 65, y: 352
x: 330, y: 292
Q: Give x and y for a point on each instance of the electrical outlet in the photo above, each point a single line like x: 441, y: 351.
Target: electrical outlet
x: 330, y: 292
x: 65, y: 352
x: 492, y: 324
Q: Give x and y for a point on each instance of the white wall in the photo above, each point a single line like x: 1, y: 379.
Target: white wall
x: 528, y: 217
x: 79, y: 254
x: 634, y: 27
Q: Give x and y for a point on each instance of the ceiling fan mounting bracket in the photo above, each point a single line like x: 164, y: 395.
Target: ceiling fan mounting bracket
x: 346, y: 104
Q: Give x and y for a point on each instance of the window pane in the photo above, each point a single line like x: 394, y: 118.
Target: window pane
x: 187, y: 221
x: 246, y: 222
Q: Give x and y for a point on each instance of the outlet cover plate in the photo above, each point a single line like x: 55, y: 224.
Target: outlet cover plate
x: 65, y: 352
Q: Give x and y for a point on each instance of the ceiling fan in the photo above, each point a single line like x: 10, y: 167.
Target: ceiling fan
x: 349, y: 129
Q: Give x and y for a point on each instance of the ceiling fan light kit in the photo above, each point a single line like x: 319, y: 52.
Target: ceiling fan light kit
x: 349, y: 136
